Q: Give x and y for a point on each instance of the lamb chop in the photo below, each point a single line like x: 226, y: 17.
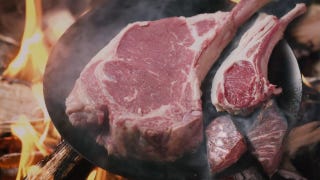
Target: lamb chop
x: 241, y: 84
x: 143, y: 87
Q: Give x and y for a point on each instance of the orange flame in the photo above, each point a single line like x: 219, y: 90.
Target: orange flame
x: 29, y: 64
x: 92, y: 175
x: 30, y: 141
x: 101, y: 174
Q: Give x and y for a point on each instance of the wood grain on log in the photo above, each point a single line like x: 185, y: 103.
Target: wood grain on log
x: 63, y: 163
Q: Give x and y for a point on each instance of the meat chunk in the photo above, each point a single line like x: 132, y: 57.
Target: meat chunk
x: 267, y: 135
x: 241, y: 83
x: 146, y: 83
x: 225, y: 144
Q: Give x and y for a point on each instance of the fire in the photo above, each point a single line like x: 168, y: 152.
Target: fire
x: 306, y: 82
x: 101, y: 174
x: 30, y: 142
x: 92, y: 175
x: 98, y: 174
x: 29, y: 64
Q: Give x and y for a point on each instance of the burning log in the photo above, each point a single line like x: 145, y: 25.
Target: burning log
x: 63, y: 163
x: 38, y: 137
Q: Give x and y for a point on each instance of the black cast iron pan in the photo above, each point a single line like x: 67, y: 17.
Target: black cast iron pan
x: 92, y: 32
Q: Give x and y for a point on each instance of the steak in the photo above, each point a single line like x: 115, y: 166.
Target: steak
x: 143, y: 88
x: 266, y: 137
x: 241, y: 83
x: 225, y: 144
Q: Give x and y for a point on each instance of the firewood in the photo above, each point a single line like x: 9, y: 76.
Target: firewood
x: 63, y: 163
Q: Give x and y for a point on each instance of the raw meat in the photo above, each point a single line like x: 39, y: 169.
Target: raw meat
x: 146, y: 83
x: 241, y: 83
x: 225, y: 144
x: 267, y: 135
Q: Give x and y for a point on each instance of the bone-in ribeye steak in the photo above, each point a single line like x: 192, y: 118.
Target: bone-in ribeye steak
x: 225, y: 144
x: 266, y: 136
x: 241, y: 83
x: 146, y: 83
